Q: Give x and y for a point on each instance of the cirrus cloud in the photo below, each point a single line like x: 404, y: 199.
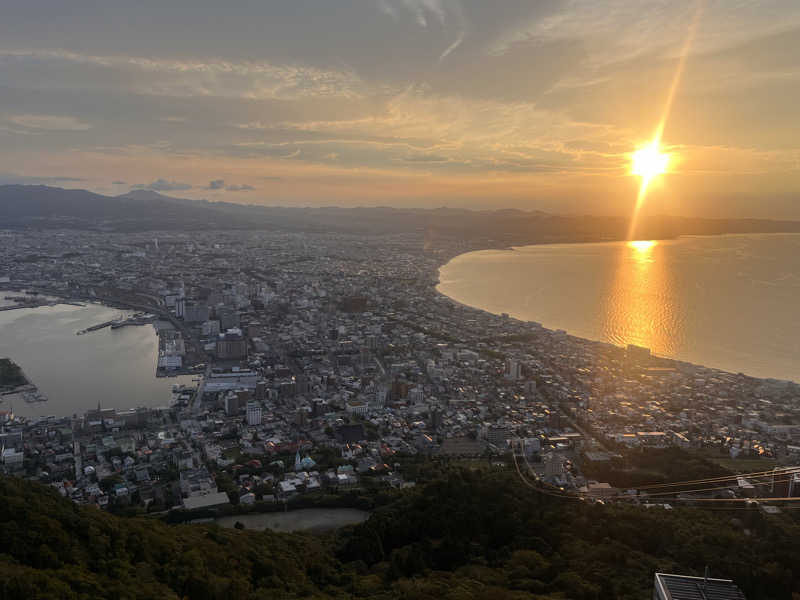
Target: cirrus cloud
x: 49, y: 122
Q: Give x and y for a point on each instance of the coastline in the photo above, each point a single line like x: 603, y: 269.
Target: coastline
x: 75, y: 299
x: 99, y: 362
x: 602, y: 343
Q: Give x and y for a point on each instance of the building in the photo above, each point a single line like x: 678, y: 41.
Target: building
x: 683, y: 587
x: 416, y: 395
x: 381, y: 393
x: 553, y: 466
x: 235, y: 380
x: 356, y: 407
x: 195, y: 313
x: 253, y: 413
x: 599, y: 489
x: 12, y: 459
x: 231, y: 345
x: 170, y: 362
x: 233, y: 404
x: 513, y: 369
x: 212, y: 500
x: 794, y: 486
x: 227, y: 317
x: 498, y: 435
x: 210, y: 329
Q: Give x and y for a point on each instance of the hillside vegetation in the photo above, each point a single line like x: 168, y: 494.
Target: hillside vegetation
x: 11, y: 375
x: 468, y: 534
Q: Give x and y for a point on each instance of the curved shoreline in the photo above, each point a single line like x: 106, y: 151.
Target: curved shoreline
x: 551, y: 330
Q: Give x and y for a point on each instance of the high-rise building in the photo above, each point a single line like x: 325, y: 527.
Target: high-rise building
x: 416, y: 395
x: 380, y: 396
x: 231, y: 345
x: 180, y: 307
x: 253, y: 413
x: 513, y: 369
x: 232, y: 404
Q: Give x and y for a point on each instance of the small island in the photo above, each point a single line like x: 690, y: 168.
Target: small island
x: 11, y: 376
x: 14, y: 384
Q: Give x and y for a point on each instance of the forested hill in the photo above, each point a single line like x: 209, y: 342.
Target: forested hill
x: 480, y: 535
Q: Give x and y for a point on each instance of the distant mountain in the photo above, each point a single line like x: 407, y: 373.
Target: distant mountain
x: 144, y: 195
x: 38, y: 206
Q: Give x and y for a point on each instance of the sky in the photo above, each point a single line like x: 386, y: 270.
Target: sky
x: 529, y: 104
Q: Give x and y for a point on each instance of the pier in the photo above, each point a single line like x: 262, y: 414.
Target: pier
x: 97, y: 327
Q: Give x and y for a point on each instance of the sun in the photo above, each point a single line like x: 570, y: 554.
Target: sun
x: 648, y: 161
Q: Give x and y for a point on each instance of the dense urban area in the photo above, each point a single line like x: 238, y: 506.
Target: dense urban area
x: 323, y: 362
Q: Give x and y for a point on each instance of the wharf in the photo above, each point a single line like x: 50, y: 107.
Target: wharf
x: 97, y: 327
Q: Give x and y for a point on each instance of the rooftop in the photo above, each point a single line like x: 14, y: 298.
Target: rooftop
x: 683, y: 587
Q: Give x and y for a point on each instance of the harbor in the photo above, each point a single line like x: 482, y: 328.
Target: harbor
x: 116, y: 367
x: 119, y: 322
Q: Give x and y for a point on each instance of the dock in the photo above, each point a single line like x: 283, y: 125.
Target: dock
x: 97, y: 327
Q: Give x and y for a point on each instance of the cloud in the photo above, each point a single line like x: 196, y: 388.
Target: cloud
x: 49, y: 122
x: 219, y: 184
x: 445, y: 92
x: 446, y: 12
x: 424, y: 158
x: 34, y: 179
x: 254, y: 80
x: 162, y: 185
x: 118, y: 183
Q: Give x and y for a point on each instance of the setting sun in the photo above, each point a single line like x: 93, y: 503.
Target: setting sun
x: 647, y: 162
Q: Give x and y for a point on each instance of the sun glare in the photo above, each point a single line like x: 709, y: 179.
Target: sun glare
x: 647, y: 162
x: 642, y: 245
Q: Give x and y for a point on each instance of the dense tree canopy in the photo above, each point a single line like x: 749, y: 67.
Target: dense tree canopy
x: 10, y: 374
x: 468, y: 534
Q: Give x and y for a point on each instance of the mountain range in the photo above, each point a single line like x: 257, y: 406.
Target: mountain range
x: 44, y: 207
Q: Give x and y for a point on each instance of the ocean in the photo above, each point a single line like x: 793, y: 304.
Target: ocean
x: 730, y: 302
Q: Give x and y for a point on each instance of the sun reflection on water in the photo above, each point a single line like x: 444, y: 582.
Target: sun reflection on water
x: 642, y: 246
x: 638, y: 308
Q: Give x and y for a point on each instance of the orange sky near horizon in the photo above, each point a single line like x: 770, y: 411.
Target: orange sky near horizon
x: 410, y: 103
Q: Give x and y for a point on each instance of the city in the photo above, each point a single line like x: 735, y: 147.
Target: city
x: 323, y: 361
